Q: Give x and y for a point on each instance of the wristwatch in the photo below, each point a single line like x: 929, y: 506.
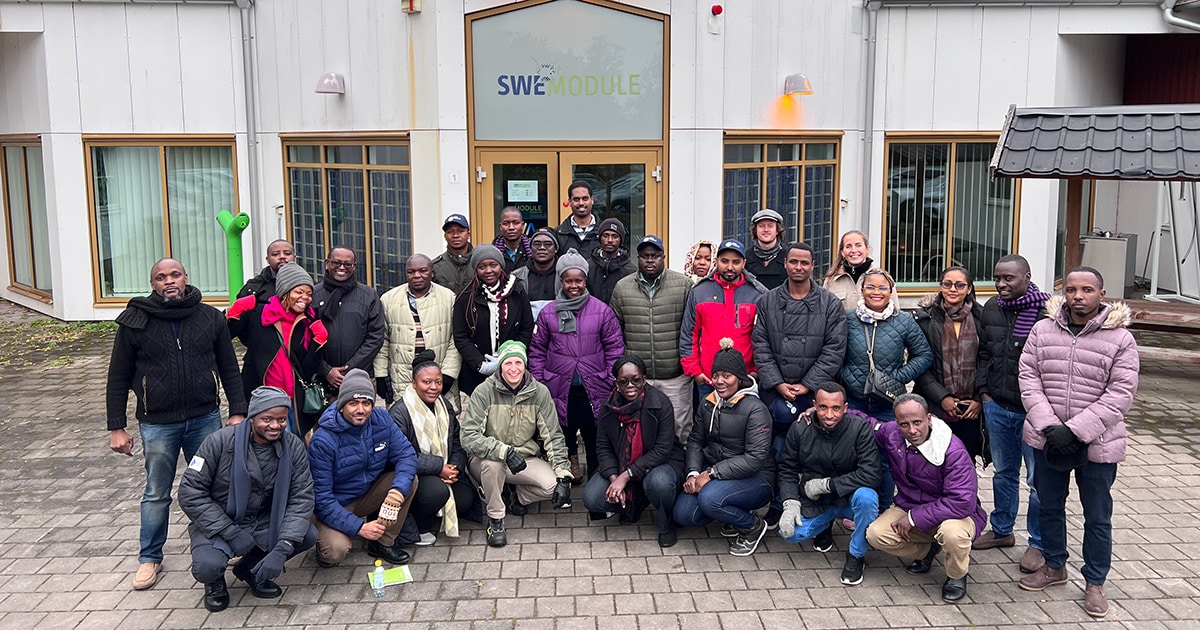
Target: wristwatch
x: 712, y: 472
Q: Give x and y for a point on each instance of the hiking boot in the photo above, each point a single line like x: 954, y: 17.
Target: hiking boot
x: 495, y: 533
x: 1094, y: 601
x: 1031, y: 561
x: 392, y: 555
x: 147, y: 575
x: 852, y: 571
x: 989, y: 540
x: 923, y: 565
x: 954, y: 589
x: 1043, y: 578
x: 216, y: 595
x: 747, y: 541
x: 512, y: 504
x: 823, y: 541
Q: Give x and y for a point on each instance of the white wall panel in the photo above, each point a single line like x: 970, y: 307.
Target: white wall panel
x: 66, y: 203
x: 908, y: 74
x: 741, y: 56
x: 102, y: 42
x: 449, y: 75
x: 1042, y: 48
x: 62, y: 73
x: 23, y: 99
x: 1039, y: 213
x: 1002, y: 70
x: 684, y: 80
x: 155, y: 74
x: 681, y: 198
x: 210, y: 60
x: 958, y: 43
x: 21, y: 18
x: 1090, y: 70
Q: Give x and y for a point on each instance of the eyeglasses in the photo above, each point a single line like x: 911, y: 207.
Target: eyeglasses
x: 541, y: 245
x: 268, y: 420
x: 344, y: 264
x: 626, y: 382
x: 870, y: 287
x: 959, y: 286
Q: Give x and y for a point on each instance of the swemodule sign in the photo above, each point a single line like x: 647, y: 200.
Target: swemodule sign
x: 567, y: 70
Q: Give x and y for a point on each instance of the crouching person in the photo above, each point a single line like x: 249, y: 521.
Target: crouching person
x: 511, y: 436
x: 248, y: 493
x: 640, y: 459
x: 829, y: 469
x: 937, y: 495
x: 361, y: 464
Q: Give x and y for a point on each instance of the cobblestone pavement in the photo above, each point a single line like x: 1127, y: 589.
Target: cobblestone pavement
x: 69, y: 525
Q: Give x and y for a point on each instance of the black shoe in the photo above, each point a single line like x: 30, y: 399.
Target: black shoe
x: 923, y: 565
x: 216, y: 595
x: 512, y: 504
x: 747, y: 541
x: 772, y: 517
x: 266, y: 589
x: 391, y: 555
x: 954, y: 589
x: 823, y: 541
x: 852, y: 571
x: 495, y: 533
x: 668, y: 539
x: 729, y: 531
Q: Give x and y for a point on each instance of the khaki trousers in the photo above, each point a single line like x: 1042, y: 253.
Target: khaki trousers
x: 333, y: 545
x: 679, y: 391
x: 954, y: 536
x: 535, y: 483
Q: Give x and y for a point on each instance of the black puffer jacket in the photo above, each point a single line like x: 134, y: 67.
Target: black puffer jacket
x: 356, y: 333
x: 429, y: 464
x: 847, y: 454
x: 798, y: 341
x: 660, y: 446
x: 603, y: 273
x: 261, y: 286
x: 1000, y: 357
x: 733, y: 437
x: 473, y: 345
x: 770, y: 273
x: 931, y: 318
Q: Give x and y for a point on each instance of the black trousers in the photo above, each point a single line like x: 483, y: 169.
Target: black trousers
x: 209, y: 563
x: 432, y: 494
x: 580, y: 418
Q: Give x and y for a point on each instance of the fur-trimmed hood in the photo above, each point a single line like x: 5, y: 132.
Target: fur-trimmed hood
x: 1113, y: 314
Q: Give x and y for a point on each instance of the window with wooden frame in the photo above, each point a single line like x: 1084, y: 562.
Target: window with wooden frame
x: 942, y: 208
x: 152, y: 198
x: 795, y: 176
x: 346, y: 192
x: 24, y: 195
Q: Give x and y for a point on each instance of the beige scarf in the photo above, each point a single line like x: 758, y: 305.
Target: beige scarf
x: 432, y: 427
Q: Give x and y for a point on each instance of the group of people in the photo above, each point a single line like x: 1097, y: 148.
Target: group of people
x: 742, y: 391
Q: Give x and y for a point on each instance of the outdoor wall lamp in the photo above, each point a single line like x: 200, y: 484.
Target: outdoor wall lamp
x: 332, y: 83
x: 797, y: 84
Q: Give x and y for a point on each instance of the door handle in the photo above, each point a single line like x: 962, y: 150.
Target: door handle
x: 480, y: 174
x: 657, y: 173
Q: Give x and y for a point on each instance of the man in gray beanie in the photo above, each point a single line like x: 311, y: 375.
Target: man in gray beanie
x: 610, y: 261
x: 361, y: 464
x: 249, y: 493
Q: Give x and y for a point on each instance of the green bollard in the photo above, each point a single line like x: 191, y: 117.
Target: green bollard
x: 233, y: 226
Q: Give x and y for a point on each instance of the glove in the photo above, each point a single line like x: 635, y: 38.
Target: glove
x: 389, y: 511
x: 515, y: 461
x: 241, y: 543
x: 383, y: 386
x: 271, y: 566
x: 489, y: 365
x: 562, y: 493
x: 1060, y: 439
x: 790, y: 518
x: 814, y: 488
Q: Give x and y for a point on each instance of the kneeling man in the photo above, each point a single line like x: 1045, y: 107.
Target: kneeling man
x: 361, y: 464
x: 829, y: 469
x: 249, y: 493
x: 937, y: 495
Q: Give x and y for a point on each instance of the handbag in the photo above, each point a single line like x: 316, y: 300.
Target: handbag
x: 312, y: 394
x: 880, y: 387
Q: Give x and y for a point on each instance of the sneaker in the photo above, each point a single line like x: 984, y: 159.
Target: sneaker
x: 852, y: 571
x: 147, y: 575
x: 1044, y: 578
x: 729, y: 531
x: 823, y: 541
x: 495, y: 533
x: 1031, y: 561
x: 989, y: 540
x: 1094, y: 601
x: 427, y: 539
x: 747, y: 541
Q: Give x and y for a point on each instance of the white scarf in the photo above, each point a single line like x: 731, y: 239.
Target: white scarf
x: 867, y: 316
x: 494, y: 295
x: 432, y: 428
x: 934, y: 449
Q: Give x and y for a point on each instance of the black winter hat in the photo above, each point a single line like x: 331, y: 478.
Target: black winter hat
x: 729, y: 359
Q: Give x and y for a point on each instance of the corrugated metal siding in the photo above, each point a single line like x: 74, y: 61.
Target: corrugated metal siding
x: 1162, y: 69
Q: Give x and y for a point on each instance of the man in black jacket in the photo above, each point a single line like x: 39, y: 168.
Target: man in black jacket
x: 167, y: 349
x: 353, y: 317
x: 609, y: 262
x: 579, y: 231
x: 766, y: 245
x: 248, y: 492
x: 1006, y: 321
x: 829, y: 469
x: 279, y: 252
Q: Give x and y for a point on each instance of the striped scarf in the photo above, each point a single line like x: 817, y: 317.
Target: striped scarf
x: 1027, y: 307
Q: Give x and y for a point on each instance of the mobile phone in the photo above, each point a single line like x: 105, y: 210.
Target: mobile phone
x: 963, y: 406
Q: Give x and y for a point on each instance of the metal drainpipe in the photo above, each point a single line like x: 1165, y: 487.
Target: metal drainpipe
x: 872, y: 8
x: 1168, y: 8
x: 248, y: 90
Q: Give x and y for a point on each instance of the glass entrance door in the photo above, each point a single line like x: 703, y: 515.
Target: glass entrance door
x: 624, y: 186
x: 525, y: 180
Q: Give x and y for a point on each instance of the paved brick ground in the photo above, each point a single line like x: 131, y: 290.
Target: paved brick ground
x: 68, y: 546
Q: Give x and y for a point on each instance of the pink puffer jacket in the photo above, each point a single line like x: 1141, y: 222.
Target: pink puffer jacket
x: 1087, y: 381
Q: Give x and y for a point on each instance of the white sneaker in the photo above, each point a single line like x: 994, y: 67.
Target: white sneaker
x: 427, y: 539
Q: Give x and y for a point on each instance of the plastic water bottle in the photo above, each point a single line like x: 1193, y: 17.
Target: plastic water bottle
x: 377, y: 579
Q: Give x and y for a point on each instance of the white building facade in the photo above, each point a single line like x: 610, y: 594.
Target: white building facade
x: 126, y: 126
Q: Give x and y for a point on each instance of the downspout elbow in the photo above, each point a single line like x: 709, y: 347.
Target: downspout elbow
x: 1168, y: 9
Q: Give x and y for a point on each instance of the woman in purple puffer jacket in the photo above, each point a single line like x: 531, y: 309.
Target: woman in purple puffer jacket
x: 575, y: 344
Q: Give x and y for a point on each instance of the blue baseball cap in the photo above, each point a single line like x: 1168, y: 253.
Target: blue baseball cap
x: 456, y: 219
x: 651, y: 239
x: 734, y: 244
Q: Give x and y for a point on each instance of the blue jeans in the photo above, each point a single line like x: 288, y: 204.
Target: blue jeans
x: 161, y: 444
x: 1008, y: 449
x: 660, y: 486
x: 725, y: 500
x: 863, y: 509
x: 883, y: 413
x: 1095, y: 495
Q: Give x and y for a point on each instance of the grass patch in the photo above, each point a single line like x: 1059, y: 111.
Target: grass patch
x: 49, y: 341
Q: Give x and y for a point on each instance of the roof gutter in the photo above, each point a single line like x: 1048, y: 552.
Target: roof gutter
x: 1013, y: 3
x: 868, y: 149
x: 1168, y: 8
